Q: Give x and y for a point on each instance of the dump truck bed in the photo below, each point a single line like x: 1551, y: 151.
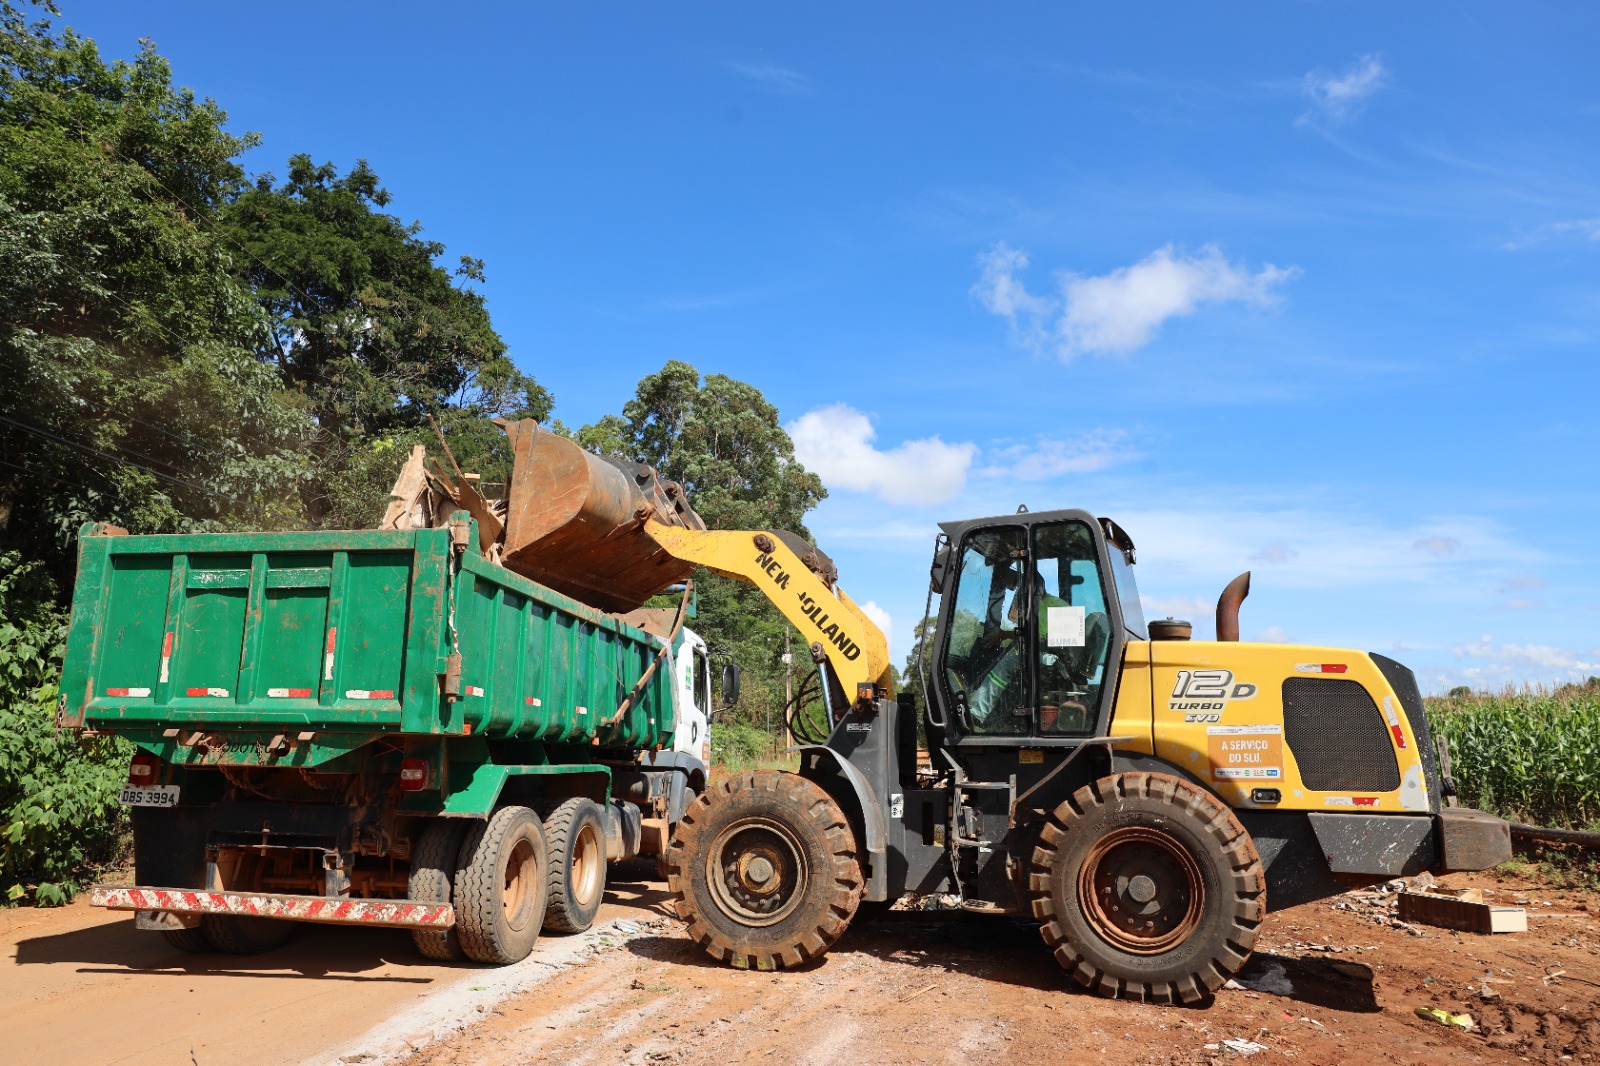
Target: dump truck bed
x: 345, y: 631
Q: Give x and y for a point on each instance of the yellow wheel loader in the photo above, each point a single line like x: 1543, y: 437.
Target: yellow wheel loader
x: 1145, y: 797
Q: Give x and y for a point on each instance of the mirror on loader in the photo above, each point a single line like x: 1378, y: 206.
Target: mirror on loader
x: 730, y: 686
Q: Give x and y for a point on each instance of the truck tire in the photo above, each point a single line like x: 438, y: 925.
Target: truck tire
x: 169, y: 851
x: 192, y: 940
x: 433, y: 868
x: 1148, y: 888
x: 501, y: 885
x: 576, y: 839
x: 245, y: 936
x: 765, y: 870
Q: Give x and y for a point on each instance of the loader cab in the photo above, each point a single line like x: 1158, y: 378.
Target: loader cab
x: 1034, y: 612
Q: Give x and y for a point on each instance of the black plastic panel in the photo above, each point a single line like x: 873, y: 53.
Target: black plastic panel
x: 1338, y: 736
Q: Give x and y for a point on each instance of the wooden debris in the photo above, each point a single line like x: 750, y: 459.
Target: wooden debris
x: 1448, y: 912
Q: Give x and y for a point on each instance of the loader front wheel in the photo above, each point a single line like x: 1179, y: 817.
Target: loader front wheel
x: 765, y: 871
x: 1148, y: 888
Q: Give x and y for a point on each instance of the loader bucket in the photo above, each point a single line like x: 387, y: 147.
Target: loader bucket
x: 575, y: 521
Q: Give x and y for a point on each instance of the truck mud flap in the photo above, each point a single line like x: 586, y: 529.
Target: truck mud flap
x: 394, y: 913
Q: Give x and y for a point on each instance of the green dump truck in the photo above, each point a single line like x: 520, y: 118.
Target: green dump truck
x: 376, y: 727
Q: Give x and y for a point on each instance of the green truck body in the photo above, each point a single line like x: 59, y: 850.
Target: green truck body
x: 324, y: 697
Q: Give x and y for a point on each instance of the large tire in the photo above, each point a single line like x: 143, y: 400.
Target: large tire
x: 575, y: 836
x: 1148, y: 888
x: 433, y: 868
x: 246, y: 936
x: 500, y: 886
x: 192, y: 940
x: 765, y: 870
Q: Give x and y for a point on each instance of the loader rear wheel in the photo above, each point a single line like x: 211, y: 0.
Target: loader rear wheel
x: 575, y: 836
x: 500, y: 888
x: 433, y: 867
x: 1148, y: 888
x: 765, y: 870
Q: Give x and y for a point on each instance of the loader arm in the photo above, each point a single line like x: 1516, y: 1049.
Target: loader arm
x: 826, y: 617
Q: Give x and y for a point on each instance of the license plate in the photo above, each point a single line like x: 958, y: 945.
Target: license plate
x: 150, y: 796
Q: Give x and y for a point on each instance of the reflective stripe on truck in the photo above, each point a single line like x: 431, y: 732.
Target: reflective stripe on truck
x: 403, y: 913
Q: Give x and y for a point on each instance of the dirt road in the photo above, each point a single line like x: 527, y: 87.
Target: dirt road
x: 84, y: 987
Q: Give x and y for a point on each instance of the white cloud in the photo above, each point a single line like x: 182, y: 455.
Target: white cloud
x: 1189, y: 608
x: 836, y: 444
x: 1337, y: 98
x: 1438, y: 547
x: 1049, y: 457
x: 1273, y: 635
x: 1585, y: 228
x: 1506, y: 659
x: 880, y: 618
x: 1275, y: 553
x: 1121, y: 311
x: 773, y: 78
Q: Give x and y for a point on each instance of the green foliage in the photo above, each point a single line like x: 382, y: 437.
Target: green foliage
x: 364, y: 324
x: 186, y: 349
x: 59, y: 816
x: 1533, y: 756
x: 724, y: 442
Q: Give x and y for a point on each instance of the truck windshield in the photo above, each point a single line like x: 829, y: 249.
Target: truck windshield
x: 1128, y: 595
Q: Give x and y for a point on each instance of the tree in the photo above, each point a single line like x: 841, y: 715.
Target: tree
x: 371, y: 332
x: 130, y: 393
x: 724, y: 442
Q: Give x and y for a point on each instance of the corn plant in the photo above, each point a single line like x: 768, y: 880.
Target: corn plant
x: 1530, y: 755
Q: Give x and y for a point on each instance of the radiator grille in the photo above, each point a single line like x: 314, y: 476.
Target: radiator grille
x: 1338, y: 736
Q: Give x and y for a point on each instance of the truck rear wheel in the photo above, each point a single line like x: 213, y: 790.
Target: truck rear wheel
x: 500, y: 886
x: 576, y: 839
x: 245, y: 936
x: 433, y: 867
x: 765, y: 869
x: 1148, y: 888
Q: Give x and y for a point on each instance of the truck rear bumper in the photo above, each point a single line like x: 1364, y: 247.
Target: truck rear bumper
x: 399, y: 913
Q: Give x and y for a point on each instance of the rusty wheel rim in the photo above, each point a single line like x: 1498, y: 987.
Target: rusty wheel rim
x: 520, y: 887
x: 586, y: 865
x: 757, y: 871
x: 1141, y: 890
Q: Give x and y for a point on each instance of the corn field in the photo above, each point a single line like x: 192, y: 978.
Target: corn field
x: 1531, y: 756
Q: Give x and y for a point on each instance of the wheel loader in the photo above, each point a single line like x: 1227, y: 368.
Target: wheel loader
x: 1145, y: 797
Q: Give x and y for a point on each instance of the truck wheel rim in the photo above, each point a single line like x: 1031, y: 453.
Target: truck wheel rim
x: 519, y: 890
x: 1141, y: 890
x: 757, y: 871
x: 586, y: 864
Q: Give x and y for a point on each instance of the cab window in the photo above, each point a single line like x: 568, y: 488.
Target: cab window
x: 702, y: 681
x: 1074, y: 630
x: 986, y: 650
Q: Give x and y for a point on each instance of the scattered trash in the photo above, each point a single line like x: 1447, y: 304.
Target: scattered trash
x: 1243, y: 1047
x: 1273, y: 980
x: 1444, y: 1017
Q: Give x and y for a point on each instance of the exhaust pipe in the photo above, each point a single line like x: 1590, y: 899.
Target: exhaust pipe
x: 1228, y: 607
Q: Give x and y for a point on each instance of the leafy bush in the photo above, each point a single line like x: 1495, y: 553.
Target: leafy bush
x: 1533, y: 756
x: 59, y: 816
x: 739, y: 745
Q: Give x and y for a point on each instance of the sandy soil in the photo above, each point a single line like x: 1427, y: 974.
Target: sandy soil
x: 82, y: 986
x: 910, y: 989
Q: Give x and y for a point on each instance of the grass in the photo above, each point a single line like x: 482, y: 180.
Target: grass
x: 1531, y: 755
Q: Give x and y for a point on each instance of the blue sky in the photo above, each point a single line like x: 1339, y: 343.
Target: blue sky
x: 1302, y: 288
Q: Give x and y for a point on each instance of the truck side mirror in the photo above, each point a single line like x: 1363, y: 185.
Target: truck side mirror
x: 730, y: 686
